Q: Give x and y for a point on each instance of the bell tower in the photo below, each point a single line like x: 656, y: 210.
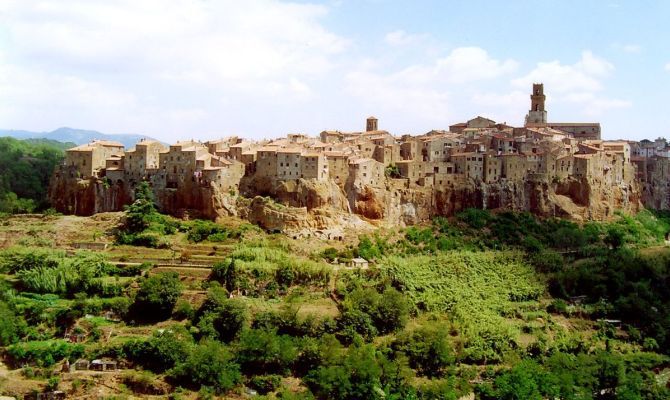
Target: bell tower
x: 537, y: 115
x: 371, y: 124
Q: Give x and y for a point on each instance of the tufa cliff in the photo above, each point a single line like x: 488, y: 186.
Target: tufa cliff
x: 323, y: 205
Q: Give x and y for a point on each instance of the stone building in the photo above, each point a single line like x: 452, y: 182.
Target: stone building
x: 183, y: 163
x: 143, y: 160
x: 338, y: 166
x: 537, y: 115
x: 314, y: 166
x: 266, y: 162
x: 371, y: 124
x: 366, y: 172
x: 288, y: 167
x: 89, y: 159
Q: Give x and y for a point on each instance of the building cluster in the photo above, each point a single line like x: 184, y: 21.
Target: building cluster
x: 477, y: 151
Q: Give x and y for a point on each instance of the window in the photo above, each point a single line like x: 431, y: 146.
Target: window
x: 365, y: 174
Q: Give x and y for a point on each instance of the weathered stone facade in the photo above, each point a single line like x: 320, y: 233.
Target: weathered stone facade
x: 374, y: 175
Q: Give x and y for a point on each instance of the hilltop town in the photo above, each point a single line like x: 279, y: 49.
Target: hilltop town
x: 553, y: 169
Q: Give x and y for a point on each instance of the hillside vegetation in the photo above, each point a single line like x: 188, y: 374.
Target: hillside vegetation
x: 25, y: 169
x: 502, y: 306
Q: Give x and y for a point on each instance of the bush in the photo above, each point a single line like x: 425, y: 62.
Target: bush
x: 367, y: 312
x: 329, y: 254
x: 142, y: 382
x: 263, y: 351
x: 222, y: 318
x: 357, y: 376
x: 225, y: 273
x: 67, y: 276
x: 558, y: 306
x: 428, y: 350
x: 11, y: 326
x: 157, y: 296
x: 210, y: 364
x: 265, y: 383
x: 474, y: 217
x: 200, y: 230
x: 161, y: 352
x: 43, y: 353
x: 183, y: 310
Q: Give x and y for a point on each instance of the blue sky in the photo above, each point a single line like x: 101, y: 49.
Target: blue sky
x: 263, y: 68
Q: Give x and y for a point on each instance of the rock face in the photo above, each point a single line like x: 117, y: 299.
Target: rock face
x: 322, y: 205
x: 71, y: 195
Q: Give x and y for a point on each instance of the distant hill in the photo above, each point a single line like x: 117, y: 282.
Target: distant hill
x: 52, y: 143
x: 77, y: 136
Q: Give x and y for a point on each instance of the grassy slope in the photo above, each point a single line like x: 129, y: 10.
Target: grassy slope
x: 480, y: 297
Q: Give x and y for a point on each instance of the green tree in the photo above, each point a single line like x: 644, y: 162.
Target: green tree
x: 165, y: 349
x: 11, y: 326
x: 157, y: 296
x: 223, y: 318
x: 264, y: 351
x: 210, y: 364
x: 428, y: 349
x: 142, y: 211
x: 357, y: 376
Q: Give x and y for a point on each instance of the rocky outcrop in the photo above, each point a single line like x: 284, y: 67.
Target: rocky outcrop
x: 323, y: 205
x: 310, y: 194
x: 70, y: 195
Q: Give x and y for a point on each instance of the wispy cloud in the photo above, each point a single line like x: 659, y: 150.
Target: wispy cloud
x: 580, y: 83
x: 629, y: 48
x: 402, y: 38
x: 143, y: 56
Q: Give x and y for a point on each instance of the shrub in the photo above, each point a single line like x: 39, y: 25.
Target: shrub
x: 157, y: 296
x: 265, y: 383
x: 183, y: 310
x: 225, y: 273
x: 558, y: 306
x: 357, y: 376
x: 43, y: 353
x: 223, y: 318
x: 164, y: 350
x: 329, y: 254
x: 141, y: 382
x: 263, y: 351
x: 428, y: 350
x: 474, y: 217
x: 11, y: 326
x: 210, y: 364
x: 367, y: 312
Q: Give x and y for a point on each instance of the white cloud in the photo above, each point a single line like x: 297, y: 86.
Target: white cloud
x: 402, y: 38
x: 667, y: 66
x: 140, y: 56
x: 630, y: 48
x: 579, y: 83
x: 426, y: 92
x: 582, y: 76
x: 466, y: 64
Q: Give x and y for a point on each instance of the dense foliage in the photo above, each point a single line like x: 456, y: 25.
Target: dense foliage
x: 25, y: 169
x: 157, y: 297
x: 505, y: 306
x: 144, y: 225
